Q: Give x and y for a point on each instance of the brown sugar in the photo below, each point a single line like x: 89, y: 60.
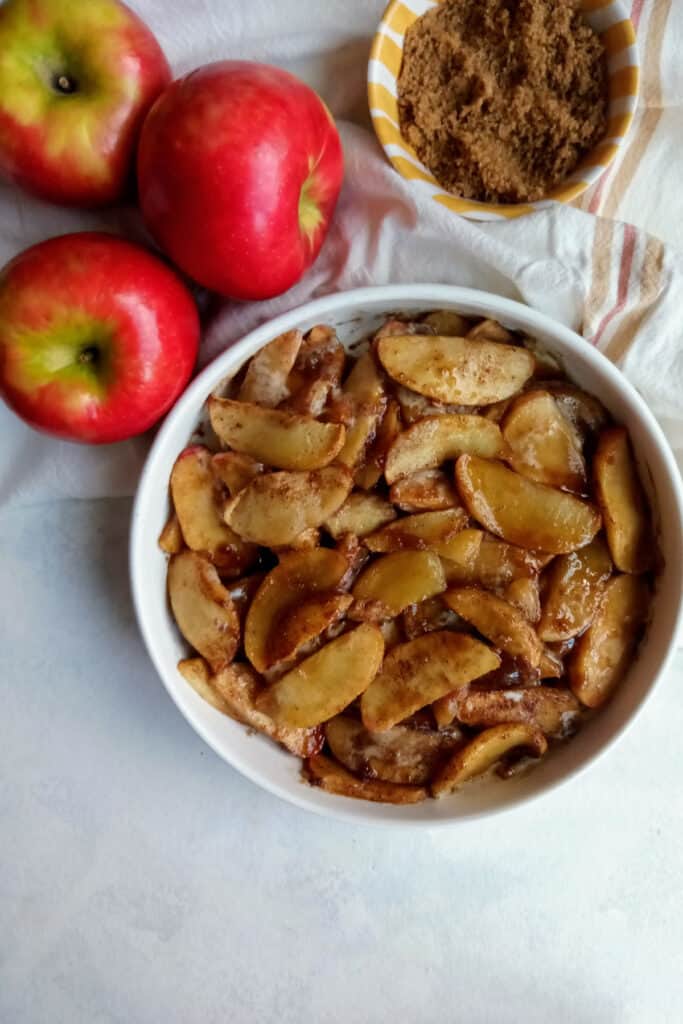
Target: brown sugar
x: 501, y: 99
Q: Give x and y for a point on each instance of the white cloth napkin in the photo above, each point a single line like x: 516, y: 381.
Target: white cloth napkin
x: 611, y: 281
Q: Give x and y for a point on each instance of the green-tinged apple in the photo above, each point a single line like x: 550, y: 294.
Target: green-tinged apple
x: 76, y: 80
x: 239, y: 170
x: 97, y: 337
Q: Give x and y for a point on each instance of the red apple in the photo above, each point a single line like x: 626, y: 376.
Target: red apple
x: 239, y: 169
x: 97, y: 337
x: 76, y: 80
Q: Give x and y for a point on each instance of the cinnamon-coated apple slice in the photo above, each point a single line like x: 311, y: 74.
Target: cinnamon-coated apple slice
x: 364, y: 390
x: 622, y: 502
x: 402, y: 755
x: 317, y: 372
x: 464, y: 370
x: 574, y: 586
x: 265, y: 382
x: 433, y: 531
x: 171, y: 537
x: 604, y: 653
x: 428, y: 490
x: 498, y: 620
x: 420, y: 671
x: 275, y: 508
x: 285, y: 440
x: 436, y: 439
x: 333, y: 778
x: 542, y: 444
x: 494, y: 564
x: 299, y: 577
x: 202, y: 608
x: 360, y: 514
x: 552, y: 709
x: 524, y: 512
x: 197, y: 504
x: 484, y: 751
x: 235, y: 470
x: 322, y: 685
x: 394, y: 581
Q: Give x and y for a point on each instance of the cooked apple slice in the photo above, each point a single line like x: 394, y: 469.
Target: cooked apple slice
x: 420, y: 671
x: 415, y: 407
x: 448, y: 322
x: 299, y: 576
x: 435, y: 439
x: 202, y: 608
x: 484, y: 751
x: 197, y: 673
x: 553, y: 710
x: 542, y: 443
x: 306, y: 621
x: 360, y: 514
x: 324, y: 684
x: 238, y: 686
x: 575, y: 584
x: 397, y: 580
x: 317, y: 372
x: 429, y: 490
x: 490, y: 330
x: 550, y: 665
x: 402, y: 755
x: 429, y: 616
x: 235, y: 470
x: 464, y: 555
x: 499, y: 621
x: 364, y: 389
x: 265, y: 382
x: 171, y: 537
x: 622, y: 502
x: 464, y: 370
x: 388, y: 430
x: 494, y: 564
x: 434, y: 531
x: 603, y: 655
x: 285, y: 440
x: 524, y: 512
x: 333, y: 778
x: 276, y: 507
x: 585, y: 413
x: 195, y: 497
x: 524, y: 594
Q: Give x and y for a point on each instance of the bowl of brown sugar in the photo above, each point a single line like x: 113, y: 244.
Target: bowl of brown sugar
x: 496, y: 108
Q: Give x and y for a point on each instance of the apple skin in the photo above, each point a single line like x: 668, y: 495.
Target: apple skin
x: 97, y: 337
x: 239, y: 170
x: 74, y: 147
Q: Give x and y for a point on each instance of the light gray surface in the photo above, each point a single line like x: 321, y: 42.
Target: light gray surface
x: 142, y: 880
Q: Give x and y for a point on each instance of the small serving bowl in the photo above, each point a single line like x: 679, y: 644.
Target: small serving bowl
x: 612, y: 23
x: 355, y: 314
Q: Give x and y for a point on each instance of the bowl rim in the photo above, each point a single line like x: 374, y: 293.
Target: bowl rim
x: 231, y: 359
x: 389, y: 137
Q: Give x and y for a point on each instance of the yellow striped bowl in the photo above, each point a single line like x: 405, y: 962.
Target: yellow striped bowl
x: 610, y: 20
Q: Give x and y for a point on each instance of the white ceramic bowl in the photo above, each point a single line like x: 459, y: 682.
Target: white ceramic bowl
x: 355, y: 314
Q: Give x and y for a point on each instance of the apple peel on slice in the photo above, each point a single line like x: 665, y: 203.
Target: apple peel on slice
x: 420, y: 671
x: 484, y: 751
x: 322, y: 771
x: 328, y: 681
x: 463, y: 370
x: 285, y: 440
x: 435, y: 439
x: 524, y: 512
x: 275, y: 508
x: 202, y: 608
